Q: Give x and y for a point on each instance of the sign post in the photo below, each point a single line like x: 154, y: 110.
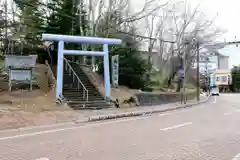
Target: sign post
x: 181, y: 76
x: 115, y: 70
x: 20, y: 69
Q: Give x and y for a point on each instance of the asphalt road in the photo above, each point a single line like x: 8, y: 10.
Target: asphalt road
x: 207, y: 132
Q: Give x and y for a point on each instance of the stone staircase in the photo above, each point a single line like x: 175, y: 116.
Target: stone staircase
x: 75, y: 94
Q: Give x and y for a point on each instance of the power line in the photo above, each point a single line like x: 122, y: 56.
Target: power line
x: 64, y: 14
x: 145, y: 37
x: 136, y: 35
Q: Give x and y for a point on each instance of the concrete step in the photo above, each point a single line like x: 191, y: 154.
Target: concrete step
x: 82, y: 79
x: 76, y: 83
x: 81, y: 95
x: 92, y: 105
x: 81, y: 98
x: 73, y: 90
x: 74, y: 96
x: 80, y: 91
x: 79, y: 74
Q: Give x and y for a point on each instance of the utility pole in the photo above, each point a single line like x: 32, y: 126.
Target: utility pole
x: 185, y: 70
x: 206, y: 75
x: 6, y: 23
x: 198, y: 78
x: 184, y: 55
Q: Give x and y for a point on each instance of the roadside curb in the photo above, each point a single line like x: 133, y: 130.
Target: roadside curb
x: 109, y: 117
x: 142, y: 113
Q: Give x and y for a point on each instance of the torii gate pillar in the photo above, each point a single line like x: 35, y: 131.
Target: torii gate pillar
x: 81, y: 40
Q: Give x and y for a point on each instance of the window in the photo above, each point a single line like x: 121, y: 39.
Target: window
x: 224, y: 78
x: 217, y: 79
x: 209, y: 66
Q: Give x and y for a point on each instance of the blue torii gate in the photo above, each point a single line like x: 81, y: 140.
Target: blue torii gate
x: 81, y: 40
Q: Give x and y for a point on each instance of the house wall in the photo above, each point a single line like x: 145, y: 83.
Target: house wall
x: 210, y: 66
x: 221, y: 77
x: 223, y: 62
x: 215, y: 62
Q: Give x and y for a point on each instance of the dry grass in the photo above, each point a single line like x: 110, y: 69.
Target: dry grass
x: 122, y: 93
x: 39, y: 100
x: 30, y: 101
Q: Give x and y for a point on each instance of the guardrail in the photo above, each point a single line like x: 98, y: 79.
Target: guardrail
x: 72, y: 73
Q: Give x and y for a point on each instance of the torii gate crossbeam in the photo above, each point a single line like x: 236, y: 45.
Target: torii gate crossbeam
x: 81, y: 40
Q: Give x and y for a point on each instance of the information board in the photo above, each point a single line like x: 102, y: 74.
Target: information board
x: 20, y: 75
x: 20, y: 68
x: 20, y: 61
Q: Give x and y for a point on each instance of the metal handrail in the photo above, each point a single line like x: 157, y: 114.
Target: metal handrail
x: 79, y: 81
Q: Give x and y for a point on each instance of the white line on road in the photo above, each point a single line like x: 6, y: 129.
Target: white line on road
x: 215, y: 99
x: 69, y: 128
x: 176, y: 126
x: 227, y: 113
x: 37, y: 127
x: 43, y: 158
x: 163, y: 114
x: 237, y: 157
x: 231, y: 112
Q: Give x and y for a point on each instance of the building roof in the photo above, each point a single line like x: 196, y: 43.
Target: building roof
x: 223, y: 71
x: 220, y: 54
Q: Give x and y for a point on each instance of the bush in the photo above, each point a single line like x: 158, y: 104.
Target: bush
x: 148, y: 89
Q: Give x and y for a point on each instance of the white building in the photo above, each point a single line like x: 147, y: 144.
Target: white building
x: 212, y: 63
x: 207, y: 65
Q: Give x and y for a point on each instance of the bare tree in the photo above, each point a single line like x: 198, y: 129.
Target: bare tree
x: 98, y: 10
x: 186, y: 27
x: 150, y: 7
x: 172, y: 23
x: 157, y: 27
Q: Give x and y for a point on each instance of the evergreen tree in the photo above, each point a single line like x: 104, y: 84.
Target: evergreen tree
x: 235, y: 72
x: 31, y: 20
x: 63, y: 19
x: 132, y: 68
x: 66, y: 19
x: 62, y: 16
